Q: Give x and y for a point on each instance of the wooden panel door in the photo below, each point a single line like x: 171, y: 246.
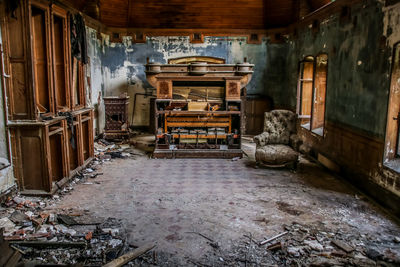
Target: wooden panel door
x: 392, y: 129
x: 305, y: 92
x: 41, y: 57
x: 307, y: 88
x: 320, y: 91
x: 16, y: 63
x: 61, y: 58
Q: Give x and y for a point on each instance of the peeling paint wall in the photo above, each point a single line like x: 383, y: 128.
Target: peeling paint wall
x: 358, y: 67
x: 119, y: 67
x: 359, y: 48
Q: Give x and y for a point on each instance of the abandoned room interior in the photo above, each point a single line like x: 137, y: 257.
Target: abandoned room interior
x: 200, y: 133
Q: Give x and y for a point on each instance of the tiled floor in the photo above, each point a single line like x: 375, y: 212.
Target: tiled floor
x: 164, y: 200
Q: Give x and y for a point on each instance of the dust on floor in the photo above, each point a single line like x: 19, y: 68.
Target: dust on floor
x: 213, y: 212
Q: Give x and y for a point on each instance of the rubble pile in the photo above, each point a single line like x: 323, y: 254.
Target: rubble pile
x: 302, y: 245
x: 105, y: 151
x: 36, y: 229
x: 41, y: 234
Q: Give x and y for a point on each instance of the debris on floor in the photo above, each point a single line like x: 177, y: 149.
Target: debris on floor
x: 106, y: 150
x: 306, y: 245
x: 34, y: 231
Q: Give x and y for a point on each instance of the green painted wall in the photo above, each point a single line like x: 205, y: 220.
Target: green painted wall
x: 358, y: 67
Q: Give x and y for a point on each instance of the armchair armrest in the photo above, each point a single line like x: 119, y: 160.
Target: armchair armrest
x: 295, y: 142
x: 261, y: 139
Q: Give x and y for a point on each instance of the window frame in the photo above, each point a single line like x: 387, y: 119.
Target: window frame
x: 313, y: 59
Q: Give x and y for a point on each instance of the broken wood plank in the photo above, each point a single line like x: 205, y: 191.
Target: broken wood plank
x: 272, y: 238
x: 130, y: 256
x: 343, y: 246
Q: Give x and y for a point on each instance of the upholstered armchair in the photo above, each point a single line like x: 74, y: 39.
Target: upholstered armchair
x: 277, y: 145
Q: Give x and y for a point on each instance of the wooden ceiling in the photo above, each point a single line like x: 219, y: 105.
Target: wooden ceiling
x: 198, y: 14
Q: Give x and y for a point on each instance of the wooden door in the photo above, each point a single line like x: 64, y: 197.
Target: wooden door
x: 320, y: 91
x: 61, y: 55
x: 41, y: 57
x: 305, y: 92
x: 16, y: 63
x: 392, y: 128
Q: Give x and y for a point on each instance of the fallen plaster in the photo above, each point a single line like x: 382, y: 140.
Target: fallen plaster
x: 215, y: 212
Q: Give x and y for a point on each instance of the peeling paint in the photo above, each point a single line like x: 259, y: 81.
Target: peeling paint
x: 119, y: 67
x: 357, y: 85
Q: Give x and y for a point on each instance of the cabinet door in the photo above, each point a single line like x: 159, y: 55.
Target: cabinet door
x: 41, y: 57
x: 61, y: 58
x: 15, y: 35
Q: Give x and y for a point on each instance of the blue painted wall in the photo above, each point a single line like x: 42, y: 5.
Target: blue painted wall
x: 119, y: 67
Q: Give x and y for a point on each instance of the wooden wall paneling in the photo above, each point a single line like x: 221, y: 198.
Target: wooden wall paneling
x: 346, y: 147
x: 61, y: 58
x: 42, y: 56
x: 17, y: 63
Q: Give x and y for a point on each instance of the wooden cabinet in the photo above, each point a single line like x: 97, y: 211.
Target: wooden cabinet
x: 39, y: 153
x: 44, y: 80
x: 46, y: 154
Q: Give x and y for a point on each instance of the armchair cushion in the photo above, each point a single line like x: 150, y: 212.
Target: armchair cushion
x: 276, y: 154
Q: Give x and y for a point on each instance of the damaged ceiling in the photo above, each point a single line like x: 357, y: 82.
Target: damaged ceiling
x: 196, y: 14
